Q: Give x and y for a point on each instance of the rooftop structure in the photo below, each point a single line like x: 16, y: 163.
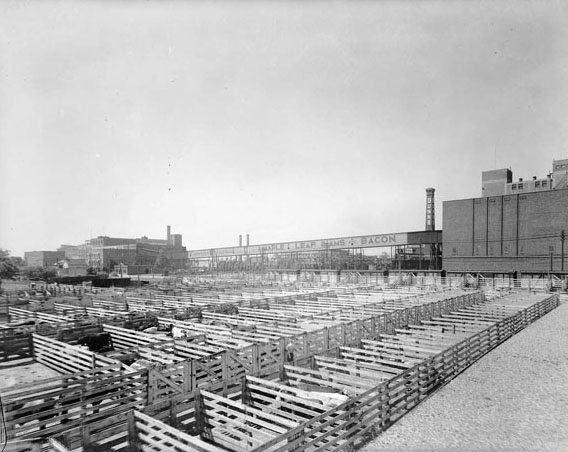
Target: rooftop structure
x: 500, y: 182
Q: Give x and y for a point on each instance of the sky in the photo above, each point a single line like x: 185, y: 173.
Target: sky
x: 286, y: 120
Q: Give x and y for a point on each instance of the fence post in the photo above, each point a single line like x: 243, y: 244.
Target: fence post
x: 86, y: 439
x: 325, y: 339
x: 199, y: 414
x: 255, y: 358
x: 225, y: 364
x: 187, y: 376
x: 133, y: 441
x: 150, y: 385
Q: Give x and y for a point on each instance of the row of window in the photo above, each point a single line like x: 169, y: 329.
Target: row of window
x: 477, y: 251
x: 537, y: 184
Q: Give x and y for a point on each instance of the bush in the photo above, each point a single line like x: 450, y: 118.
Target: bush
x: 40, y: 273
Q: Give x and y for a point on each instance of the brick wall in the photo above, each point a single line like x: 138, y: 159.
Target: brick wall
x: 506, y: 233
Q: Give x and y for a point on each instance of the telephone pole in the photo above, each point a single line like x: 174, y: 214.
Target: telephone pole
x: 562, y: 238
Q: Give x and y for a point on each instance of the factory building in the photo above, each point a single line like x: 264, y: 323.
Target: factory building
x: 43, y: 259
x: 514, y: 227
x: 140, y: 255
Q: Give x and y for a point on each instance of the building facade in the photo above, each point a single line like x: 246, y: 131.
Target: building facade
x: 141, y: 255
x: 43, y: 259
x: 103, y: 253
x: 515, y: 227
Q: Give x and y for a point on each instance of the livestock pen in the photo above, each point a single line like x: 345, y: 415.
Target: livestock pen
x: 231, y: 383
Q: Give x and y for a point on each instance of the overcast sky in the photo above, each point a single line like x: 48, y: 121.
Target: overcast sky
x: 284, y: 120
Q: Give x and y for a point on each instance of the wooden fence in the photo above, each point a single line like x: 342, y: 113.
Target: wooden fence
x: 378, y: 407
x: 15, y: 344
x: 132, y: 431
x: 51, y: 406
x: 170, y: 391
x: 204, y: 394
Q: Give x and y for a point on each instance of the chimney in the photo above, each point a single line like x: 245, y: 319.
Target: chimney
x: 520, y: 179
x: 534, y: 177
x: 248, y: 240
x: 430, y: 211
x: 169, y: 234
x: 240, y: 240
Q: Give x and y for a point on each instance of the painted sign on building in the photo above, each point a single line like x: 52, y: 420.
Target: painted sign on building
x: 362, y: 241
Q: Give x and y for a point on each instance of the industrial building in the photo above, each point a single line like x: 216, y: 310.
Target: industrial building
x: 103, y: 253
x: 407, y: 250
x: 43, y: 259
x: 417, y: 250
x: 141, y: 255
x: 514, y: 227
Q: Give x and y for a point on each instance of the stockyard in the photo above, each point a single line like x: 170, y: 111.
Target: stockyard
x: 231, y: 365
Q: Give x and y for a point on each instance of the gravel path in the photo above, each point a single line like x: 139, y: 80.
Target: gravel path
x: 515, y: 399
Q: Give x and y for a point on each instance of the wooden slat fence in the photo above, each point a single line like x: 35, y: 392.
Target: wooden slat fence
x: 66, y: 358
x: 48, y: 407
x: 378, y: 407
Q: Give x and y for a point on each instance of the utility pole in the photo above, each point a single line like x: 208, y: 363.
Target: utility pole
x: 562, y: 238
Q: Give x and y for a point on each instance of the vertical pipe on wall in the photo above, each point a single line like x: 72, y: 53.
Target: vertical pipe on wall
x: 502, y: 213
x: 517, y: 234
x: 473, y: 227
x: 487, y: 228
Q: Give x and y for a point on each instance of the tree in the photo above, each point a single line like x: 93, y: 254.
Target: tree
x: 18, y: 261
x: 8, y: 268
x: 39, y: 273
x: 91, y: 271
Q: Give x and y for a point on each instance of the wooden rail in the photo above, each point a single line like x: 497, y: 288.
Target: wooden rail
x: 47, y: 407
x: 170, y: 392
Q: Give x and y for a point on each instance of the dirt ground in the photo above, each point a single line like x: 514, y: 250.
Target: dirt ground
x: 23, y: 371
x: 515, y: 399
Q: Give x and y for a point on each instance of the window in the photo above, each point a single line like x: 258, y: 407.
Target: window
x: 514, y: 187
x: 544, y: 183
x: 520, y: 186
x: 537, y: 184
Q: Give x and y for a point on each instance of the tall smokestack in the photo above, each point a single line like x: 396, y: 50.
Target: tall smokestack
x: 240, y: 240
x: 430, y: 211
x: 169, y: 235
x: 248, y: 240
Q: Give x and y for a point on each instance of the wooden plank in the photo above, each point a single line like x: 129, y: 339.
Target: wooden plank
x: 252, y: 411
x: 158, y: 431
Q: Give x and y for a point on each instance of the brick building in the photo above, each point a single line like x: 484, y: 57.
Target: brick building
x: 43, y: 259
x: 513, y: 227
x: 141, y: 255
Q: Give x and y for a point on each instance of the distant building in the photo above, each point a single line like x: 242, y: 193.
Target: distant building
x: 43, y: 258
x: 141, y: 255
x: 513, y: 227
x: 71, y: 267
x: 103, y: 253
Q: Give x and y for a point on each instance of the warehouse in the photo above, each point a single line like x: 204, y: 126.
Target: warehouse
x: 515, y: 227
